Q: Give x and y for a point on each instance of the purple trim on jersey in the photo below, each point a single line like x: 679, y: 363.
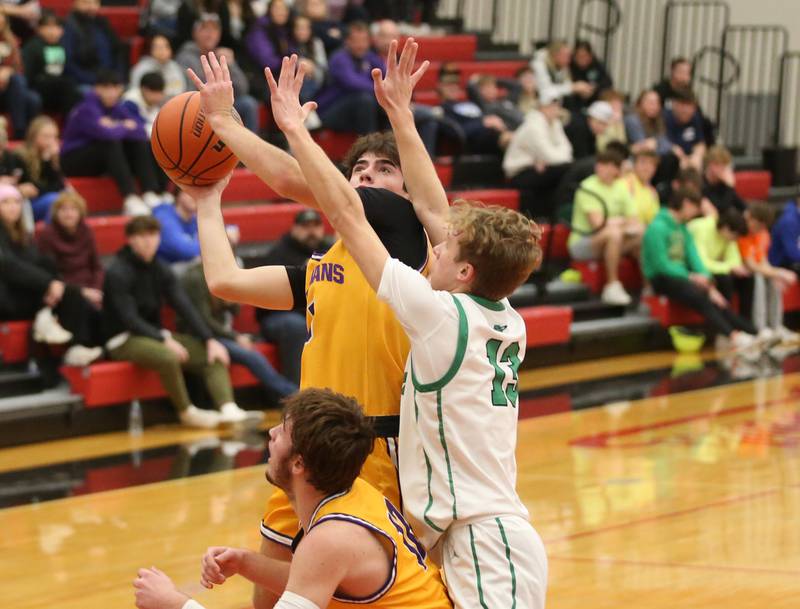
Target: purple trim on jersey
x: 275, y: 536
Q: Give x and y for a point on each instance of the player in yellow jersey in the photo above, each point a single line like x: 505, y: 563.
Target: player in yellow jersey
x: 354, y: 547
x: 355, y: 344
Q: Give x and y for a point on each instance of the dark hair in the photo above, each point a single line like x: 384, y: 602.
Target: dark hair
x: 153, y: 81
x: 610, y: 156
x: 761, y: 212
x: 676, y: 61
x: 331, y: 435
x: 682, y: 194
x: 279, y: 35
x: 48, y: 17
x: 142, y: 224
x: 357, y: 26
x: 107, y: 77
x: 585, y: 45
x: 618, y: 148
x: 149, y: 45
x: 379, y: 143
x: 689, y: 176
x: 523, y: 70
x: 734, y: 221
x: 684, y: 95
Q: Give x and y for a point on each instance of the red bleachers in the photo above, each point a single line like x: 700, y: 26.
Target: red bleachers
x: 753, y: 184
x: 501, y: 69
x: 505, y: 197
x: 124, y: 20
x: 670, y: 313
x: 459, y: 47
x: 559, y: 235
x: 791, y: 298
x: 547, y: 325
x: 14, y: 341
x: 593, y: 274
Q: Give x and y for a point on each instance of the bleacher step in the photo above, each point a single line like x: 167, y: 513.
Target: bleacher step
x: 594, y: 310
x: 558, y: 292
x: 509, y: 53
x: 594, y: 329
x: 50, y: 402
x: 14, y: 382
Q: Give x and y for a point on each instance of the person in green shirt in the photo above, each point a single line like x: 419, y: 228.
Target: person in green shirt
x: 675, y: 269
x: 605, y: 224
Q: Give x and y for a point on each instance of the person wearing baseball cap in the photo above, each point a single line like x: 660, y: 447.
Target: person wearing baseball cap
x: 583, y: 130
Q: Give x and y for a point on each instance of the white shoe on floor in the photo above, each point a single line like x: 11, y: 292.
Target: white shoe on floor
x: 231, y: 413
x: 166, y: 197
x: 746, y: 345
x: 46, y: 329
x: 785, y: 335
x: 81, y: 356
x: 151, y: 199
x: 135, y: 206
x: 198, y: 417
x: 615, y: 294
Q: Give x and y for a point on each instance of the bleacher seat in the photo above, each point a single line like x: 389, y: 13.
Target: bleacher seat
x: 505, y: 197
x: 14, y: 341
x: 593, y: 274
x: 753, y: 184
x: 546, y: 325
x: 669, y: 313
x: 501, y: 69
x: 454, y: 47
x: 791, y: 298
x: 124, y: 20
x: 559, y: 234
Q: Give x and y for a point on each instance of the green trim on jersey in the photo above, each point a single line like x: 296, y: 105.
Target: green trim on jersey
x: 510, y: 564
x: 427, y: 520
x: 461, y: 349
x: 446, y: 453
x: 492, y: 305
x: 477, y: 568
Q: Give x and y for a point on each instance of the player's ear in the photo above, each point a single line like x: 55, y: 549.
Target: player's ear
x: 297, y: 464
x: 466, y: 273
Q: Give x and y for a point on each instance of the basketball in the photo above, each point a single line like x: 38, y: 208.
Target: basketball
x: 186, y: 147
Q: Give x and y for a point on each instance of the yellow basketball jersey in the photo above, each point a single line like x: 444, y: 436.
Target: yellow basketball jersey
x: 356, y: 345
x: 414, y: 580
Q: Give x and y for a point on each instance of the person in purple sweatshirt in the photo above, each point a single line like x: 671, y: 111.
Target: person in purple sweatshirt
x: 270, y: 37
x: 102, y: 136
x: 347, y: 102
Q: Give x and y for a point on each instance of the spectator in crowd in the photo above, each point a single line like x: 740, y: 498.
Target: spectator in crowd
x: 179, y: 239
x: 784, y: 248
x: 538, y: 156
x: 769, y: 282
x: 584, y: 131
x: 324, y: 28
x: 190, y: 11
x: 30, y: 288
x: 241, y: 18
x: 585, y: 67
x: 12, y: 167
x: 146, y: 99
x: 715, y: 237
x: 218, y: 315
x: 679, y: 79
x: 347, y: 102
x: 23, y: 16
x: 482, y: 134
x: 719, y: 181
x: 42, y: 179
x: 640, y: 186
x: 159, y: 59
x: 16, y: 99
x: 605, y: 224
x: 672, y: 265
x: 684, y: 126
x: 312, y: 54
x: 205, y: 38
x: 91, y: 45
x: 270, y: 38
x: 104, y: 136
x: 551, y: 67
x: 615, y: 132
x: 484, y: 90
x: 645, y: 127
x: 287, y: 329
x: 69, y: 241
x: 44, y: 59
x: 162, y: 18
x: 527, y: 98
x: 136, y: 287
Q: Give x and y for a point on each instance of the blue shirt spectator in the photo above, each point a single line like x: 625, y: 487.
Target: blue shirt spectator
x: 90, y: 43
x: 179, y: 239
x: 784, y: 250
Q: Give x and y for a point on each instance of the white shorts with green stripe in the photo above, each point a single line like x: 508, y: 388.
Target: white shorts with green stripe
x: 494, y: 563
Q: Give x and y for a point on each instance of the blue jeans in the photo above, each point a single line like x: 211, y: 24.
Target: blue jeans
x: 41, y: 205
x: 260, y: 367
x: 287, y: 329
x: 21, y: 103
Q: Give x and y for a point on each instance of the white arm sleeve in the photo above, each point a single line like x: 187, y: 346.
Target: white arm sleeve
x: 290, y: 600
x: 429, y: 317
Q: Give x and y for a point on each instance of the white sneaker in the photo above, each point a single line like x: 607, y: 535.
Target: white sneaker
x: 81, y: 356
x: 198, y: 417
x: 46, y: 329
x: 166, y: 197
x: 151, y: 199
x: 785, y: 335
x: 615, y: 294
x: 231, y: 413
x: 135, y: 206
x: 746, y: 345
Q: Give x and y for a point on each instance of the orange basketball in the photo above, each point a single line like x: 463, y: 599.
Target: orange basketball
x: 186, y: 147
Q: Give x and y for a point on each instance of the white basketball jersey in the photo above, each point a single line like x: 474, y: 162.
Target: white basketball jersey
x: 458, y: 414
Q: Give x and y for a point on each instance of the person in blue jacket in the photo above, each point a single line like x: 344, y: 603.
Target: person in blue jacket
x: 784, y: 249
x: 179, y: 240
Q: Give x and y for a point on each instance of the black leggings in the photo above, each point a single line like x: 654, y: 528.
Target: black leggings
x: 723, y: 321
x: 122, y: 159
x: 538, y: 189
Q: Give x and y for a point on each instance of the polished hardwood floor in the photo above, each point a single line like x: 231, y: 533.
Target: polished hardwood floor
x: 689, y: 497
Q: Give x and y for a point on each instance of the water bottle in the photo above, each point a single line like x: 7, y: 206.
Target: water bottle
x: 135, y: 422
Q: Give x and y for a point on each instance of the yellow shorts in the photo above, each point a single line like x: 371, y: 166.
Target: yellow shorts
x: 280, y: 523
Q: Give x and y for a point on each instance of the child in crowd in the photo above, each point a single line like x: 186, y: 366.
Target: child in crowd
x: 769, y: 281
x: 159, y: 59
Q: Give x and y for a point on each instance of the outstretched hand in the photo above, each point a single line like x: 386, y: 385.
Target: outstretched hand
x: 394, y: 90
x: 204, y: 194
x: 217, y: 92
x: 285, y: 95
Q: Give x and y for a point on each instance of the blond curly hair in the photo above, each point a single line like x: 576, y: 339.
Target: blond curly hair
x: 502, y: 245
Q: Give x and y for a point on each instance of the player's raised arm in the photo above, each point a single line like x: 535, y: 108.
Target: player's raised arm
x: 268, y: 287
x: 274, y: 166
x: 335, y: 196
x: 393, y: 93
